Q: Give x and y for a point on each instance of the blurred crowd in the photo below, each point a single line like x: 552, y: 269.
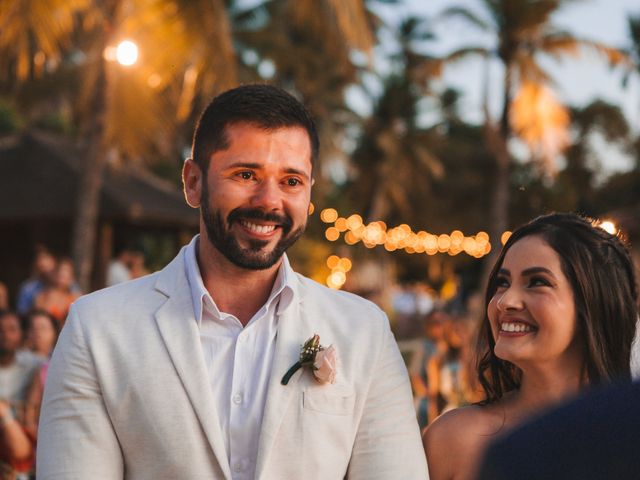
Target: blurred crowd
x: 28, y: 333
x: 27, y: 337
x: 438, y: 339
x: 26, y: 343
x: 442, y: 369
x: 128, y: 263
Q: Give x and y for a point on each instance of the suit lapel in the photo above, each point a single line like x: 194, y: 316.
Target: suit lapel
x: 293, y: 329
x: 179, y: 331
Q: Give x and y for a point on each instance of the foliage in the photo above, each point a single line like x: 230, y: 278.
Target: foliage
x: 9, y: 118
x: 440, y: 175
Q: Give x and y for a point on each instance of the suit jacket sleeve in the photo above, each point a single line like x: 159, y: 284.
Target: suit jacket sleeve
x: 76, y: 438
x: 387, y: 444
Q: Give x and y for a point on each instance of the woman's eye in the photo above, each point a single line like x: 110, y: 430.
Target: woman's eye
x: 502, y: 282
x: 538, y: 282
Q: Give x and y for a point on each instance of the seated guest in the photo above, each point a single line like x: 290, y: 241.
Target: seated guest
x: 16, y: 373
x: 60, y: 293
x: 16, y: 448
x: 431, y: 344
x: 4, y: 297
x: 44, y: 265
x: 553, y: 326
x: 41, y: 333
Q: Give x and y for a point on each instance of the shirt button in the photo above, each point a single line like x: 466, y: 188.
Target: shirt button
x: 237, y: 399
x: 237, y: 467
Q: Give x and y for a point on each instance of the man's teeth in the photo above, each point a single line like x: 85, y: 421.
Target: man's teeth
x: 515, y: 327
x: 258, y: 228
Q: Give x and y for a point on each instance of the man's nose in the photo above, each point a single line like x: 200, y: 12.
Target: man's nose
x: 267, y: 195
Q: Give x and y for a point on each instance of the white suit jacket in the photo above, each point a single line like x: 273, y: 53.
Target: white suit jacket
x: 128, y: 397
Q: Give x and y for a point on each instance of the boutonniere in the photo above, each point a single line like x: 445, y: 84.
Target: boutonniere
x: 321, y: 360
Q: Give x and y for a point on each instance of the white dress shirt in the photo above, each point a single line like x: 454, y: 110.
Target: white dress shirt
x: 238, y: 361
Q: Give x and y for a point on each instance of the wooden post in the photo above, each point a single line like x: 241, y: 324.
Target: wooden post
x: 105, y: 251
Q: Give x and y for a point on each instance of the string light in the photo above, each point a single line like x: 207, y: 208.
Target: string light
x: 339, y: 268
x: 329, y: 215
x: 402, y: 237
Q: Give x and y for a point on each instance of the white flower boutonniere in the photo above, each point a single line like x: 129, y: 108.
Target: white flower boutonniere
x: 321, y: 360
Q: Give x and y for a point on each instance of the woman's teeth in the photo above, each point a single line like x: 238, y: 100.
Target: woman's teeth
x: 515, y: 327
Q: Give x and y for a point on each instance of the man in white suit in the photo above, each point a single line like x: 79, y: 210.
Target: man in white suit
x: 177, y: 375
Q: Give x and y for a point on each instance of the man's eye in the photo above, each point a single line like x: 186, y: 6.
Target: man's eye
x: 246, y: 175
x: 293, y: 182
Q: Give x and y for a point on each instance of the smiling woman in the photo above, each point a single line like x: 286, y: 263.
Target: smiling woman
x: 553, y: 326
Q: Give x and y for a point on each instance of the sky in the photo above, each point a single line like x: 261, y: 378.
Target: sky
x: 578, y: 81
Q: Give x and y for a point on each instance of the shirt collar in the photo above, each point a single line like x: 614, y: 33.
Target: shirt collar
x: 284, y: 287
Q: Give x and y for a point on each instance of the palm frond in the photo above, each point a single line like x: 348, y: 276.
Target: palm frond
x: 352, y: 20
x: 464, y: 52
x: 465, y: 14
x: 529, y: 71
x: 28, y: 28
x: 541, y: 122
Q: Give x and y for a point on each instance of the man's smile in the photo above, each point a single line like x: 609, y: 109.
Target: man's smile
x: 254, y: 227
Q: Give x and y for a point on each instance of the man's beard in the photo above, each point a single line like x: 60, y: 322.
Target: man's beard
x: 252, y: 257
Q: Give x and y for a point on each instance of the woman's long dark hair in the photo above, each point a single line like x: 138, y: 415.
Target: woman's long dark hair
x: 602, y: 277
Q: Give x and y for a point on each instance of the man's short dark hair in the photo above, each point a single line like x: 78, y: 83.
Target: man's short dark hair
x: 264, y: 106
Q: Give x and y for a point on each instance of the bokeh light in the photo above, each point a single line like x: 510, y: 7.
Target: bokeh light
x: 332, y: 234
x: 609, y: 227
x: 127, y: 53
x: 329, y: 215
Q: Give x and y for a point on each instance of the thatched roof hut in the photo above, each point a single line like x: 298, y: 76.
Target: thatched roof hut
x: 39, y: 181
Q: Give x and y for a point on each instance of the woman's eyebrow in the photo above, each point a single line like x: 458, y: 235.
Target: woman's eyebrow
x: 534, y: 270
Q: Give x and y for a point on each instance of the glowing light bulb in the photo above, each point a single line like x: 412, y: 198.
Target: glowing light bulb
x: 127, y: 53
x: 329, y: 215
x: 609, y: 227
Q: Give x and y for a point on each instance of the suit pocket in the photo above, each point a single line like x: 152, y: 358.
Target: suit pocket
x: 325, y: 400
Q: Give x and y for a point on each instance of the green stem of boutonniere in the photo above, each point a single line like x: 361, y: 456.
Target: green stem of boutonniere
x: 287, y: 376
x: 307, y: 357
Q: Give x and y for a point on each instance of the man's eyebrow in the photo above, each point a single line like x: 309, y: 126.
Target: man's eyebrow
x: 255, y: 166
x: 296, y: 171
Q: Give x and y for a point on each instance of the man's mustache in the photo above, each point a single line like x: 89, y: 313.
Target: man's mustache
x: 256, y: 214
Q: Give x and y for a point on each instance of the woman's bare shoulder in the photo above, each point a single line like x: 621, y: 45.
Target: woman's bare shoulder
x: 467, y: 420
x: 454, y: 441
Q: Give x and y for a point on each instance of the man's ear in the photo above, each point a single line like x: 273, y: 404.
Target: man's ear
x: 192, y: 179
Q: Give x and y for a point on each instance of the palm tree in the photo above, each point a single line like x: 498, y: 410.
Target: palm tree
x: 392, y: 158
x: 33, y: 32
x: 523, y: 31
x: 120, y: 111
x: 634, y: 31
x: 311, y: 45
x: 188, y: 54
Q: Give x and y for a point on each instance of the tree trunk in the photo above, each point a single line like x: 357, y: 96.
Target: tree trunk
x: 88, y: 199
x: 95, y: 159
x: 497, y: 137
